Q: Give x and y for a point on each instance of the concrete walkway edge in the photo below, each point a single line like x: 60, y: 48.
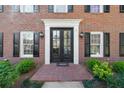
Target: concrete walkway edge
x: 63, y: 85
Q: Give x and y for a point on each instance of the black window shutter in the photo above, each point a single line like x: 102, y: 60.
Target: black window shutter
x: 1, y: 8
x: 121, y: 44
x: 87, y: 8
x: 106, y: 8
x: 121, y: 7
x: 50, y: 8
x: 36, y: 8
x: 106, y: 44
x: 15, y: 8
x: 87, y: 44
x: 1, y: 44
x: 70, y: 8
x: 36, y: 44
x: 16, y: 44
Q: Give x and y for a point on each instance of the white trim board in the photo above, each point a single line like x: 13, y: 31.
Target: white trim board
x: 74, y: 23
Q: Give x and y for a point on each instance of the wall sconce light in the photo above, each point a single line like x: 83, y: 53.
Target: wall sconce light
x: 82, y: 34
x: 41, y: 34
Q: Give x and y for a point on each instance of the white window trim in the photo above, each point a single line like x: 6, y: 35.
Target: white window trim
x: 101, y: 9
x: 60, y: 12
x: 21, y: 46
x: 101, y: 44
x: 22, y: 9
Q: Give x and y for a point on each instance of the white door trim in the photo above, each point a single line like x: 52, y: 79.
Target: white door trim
x: 74, y: 23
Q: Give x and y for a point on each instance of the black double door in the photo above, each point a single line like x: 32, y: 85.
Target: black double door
x: 61, y: 45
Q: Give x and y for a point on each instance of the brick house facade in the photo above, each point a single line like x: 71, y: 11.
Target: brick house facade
x: 107, y: 22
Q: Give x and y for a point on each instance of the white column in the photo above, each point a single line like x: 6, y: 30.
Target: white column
x: 76, y: 44
x: 47, y: 44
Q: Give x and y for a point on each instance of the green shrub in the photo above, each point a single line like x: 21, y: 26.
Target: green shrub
x: 8, y: 74
x: 117, y: 81
x: 88, y: 83
x: 111, y: 82
x: 94, y: 83
x: 25, y: 65
x: 118, y: 66
x: 31, y: 84
x: 91, y: 62
x: 102, y: 71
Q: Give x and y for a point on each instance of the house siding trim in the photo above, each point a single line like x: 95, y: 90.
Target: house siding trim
x: 66, y: 23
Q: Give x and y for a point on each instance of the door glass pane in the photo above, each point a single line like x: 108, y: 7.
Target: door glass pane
x: 56, y: 42
x: 67, y: 42
x: 67, y: 51
x: 67, y: 34
x: 56, y: 34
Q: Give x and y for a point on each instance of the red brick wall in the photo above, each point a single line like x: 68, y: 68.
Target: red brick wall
x: 11, y: 22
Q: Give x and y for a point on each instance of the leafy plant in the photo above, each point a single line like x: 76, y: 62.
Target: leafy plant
x: 8, y: 74
x: 111, y: 82
x: 117, y: 81
x: 102, y: 71
x: 88, y: 83
x: 118, y: 66
x: 25, y: 65
x: 91, y: 62
x: 94, y: 83
x: 31, y: 84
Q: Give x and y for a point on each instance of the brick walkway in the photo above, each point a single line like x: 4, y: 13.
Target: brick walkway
x: 67, y: 73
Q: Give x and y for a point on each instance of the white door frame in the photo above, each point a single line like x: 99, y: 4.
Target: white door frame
x: 74, y: 23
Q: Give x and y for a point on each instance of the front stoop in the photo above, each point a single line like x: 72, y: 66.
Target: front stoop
x: 63, y: 85
x: 53, y: 72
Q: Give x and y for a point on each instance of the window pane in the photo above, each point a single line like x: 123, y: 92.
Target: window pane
x: 95, y: 44
x: 15, y: 8
x: 27, y: 8
x: 95, y: 49
x: 95, y: 8
x: 28, y: 43
x: 1, y: 8
x: 95, y: 39
x: 60, y: 8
